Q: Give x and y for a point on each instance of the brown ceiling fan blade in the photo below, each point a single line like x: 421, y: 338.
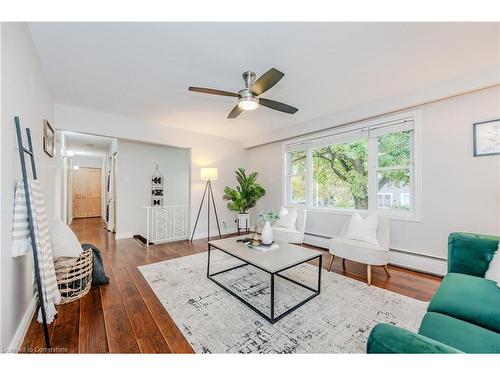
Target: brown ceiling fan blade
x: 266, y: 81
x: 235, y: 112
x: 273, y: 104
x: 205, y: 90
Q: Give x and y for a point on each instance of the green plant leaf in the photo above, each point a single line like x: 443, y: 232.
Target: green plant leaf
x: 246, y: 194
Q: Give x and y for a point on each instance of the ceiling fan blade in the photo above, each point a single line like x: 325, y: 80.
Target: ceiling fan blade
x: 273, y: 104
x: 213, y: 91
x: 235, y: 112
x: 266, y: 81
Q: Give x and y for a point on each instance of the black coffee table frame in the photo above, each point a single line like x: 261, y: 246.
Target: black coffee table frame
x: 270, y: 318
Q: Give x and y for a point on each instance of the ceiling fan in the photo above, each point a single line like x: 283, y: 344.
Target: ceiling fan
x: 249, y: 97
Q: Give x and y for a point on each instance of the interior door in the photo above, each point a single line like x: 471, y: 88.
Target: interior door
x: 86, y: 192
x: 94, y: 192
x: 80, y: 193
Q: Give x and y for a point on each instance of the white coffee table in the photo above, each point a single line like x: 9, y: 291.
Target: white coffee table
x: 272, y: 262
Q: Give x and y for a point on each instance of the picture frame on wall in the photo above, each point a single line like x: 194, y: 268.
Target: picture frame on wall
x: 486, y: 138
x: 49, y: 139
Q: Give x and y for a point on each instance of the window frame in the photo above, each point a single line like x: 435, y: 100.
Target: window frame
x: 288, y: 175
x: 371, y: 129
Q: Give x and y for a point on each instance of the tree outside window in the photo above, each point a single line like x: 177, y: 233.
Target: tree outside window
x: 340, y: 175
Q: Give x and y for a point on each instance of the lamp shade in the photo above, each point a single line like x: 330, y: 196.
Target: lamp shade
x: 208, y: 174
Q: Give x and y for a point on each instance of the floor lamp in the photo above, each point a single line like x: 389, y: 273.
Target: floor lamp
x: 208, y: 175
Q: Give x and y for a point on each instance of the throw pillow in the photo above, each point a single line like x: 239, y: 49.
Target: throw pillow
x: 288, y: 218
x: 64, y: 241
x: 363, y: 229
x: 283, y: 211
x: 493, y: 272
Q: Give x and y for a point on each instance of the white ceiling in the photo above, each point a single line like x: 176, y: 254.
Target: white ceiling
x: 86, y: 144
x: 144, y: 69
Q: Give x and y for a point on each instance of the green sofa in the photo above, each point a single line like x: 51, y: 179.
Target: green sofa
x: 464, y: 314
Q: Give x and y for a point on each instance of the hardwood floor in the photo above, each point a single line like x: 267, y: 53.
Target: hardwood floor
x: 125, y: 316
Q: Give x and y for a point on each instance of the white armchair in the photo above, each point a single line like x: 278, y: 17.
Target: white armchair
x: 363, y: 252
x: 292, y: 235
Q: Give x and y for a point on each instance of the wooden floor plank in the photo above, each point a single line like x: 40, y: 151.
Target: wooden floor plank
x: 119, y: 331
x: 121, y: 338
x: 141, y: 320
x: 65, y: 335
x: 125, y: 316
x: 171, y: 334
x: 34, y: 341
x: 92, y: 335
x: 153, y: 344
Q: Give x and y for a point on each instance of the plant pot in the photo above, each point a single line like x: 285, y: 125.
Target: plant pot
x: 243, y: 221
x: 267, y: 234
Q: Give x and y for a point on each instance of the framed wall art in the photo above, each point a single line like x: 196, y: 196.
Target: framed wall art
x: 49, y: 139
x: 486, y: 138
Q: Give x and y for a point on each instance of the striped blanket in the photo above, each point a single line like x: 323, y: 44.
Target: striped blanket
x: 21, y: 243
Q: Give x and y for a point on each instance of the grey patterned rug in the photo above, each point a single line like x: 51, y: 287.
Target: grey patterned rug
x: 339, y: 320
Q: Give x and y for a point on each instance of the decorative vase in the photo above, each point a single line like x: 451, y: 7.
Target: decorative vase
x: 243, y: 221
x: 267, y: 234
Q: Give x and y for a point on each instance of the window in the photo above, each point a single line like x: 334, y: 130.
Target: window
x: 297, y: 168
x: 394, y: 164
x: 340, y: 175
x: 368, y: 168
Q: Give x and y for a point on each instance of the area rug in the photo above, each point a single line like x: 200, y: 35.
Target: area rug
x: 339, y: 320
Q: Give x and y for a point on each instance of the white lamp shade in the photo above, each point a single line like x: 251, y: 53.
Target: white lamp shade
x: 208, y: 174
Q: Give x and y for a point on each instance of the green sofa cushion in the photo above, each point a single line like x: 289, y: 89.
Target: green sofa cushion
x: 470, y: 298
x: 385, y: 338
x: 464, y: 336
x: 470, y: 253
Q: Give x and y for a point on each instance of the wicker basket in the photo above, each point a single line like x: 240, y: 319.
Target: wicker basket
x: 74, y: 279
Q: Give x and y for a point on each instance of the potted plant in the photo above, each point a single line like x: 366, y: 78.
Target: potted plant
x: 244, y: 197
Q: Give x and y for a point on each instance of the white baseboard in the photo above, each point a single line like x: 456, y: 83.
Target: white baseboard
x: 214, y: 233
x: 22, y: 328
x: 198, y: 235
x: 123, y: 235
x: 400, y: 258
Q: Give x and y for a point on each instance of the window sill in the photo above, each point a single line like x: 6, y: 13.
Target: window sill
x: 336, y: 211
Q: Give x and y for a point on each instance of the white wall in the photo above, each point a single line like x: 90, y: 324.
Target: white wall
x: 24, y: 93
x: 136, y: 164
x: 226, y: 155
x: 85, y: 161
x: 459, y: 192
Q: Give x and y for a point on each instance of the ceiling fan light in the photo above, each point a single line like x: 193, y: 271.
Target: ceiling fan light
x: 248, y: 104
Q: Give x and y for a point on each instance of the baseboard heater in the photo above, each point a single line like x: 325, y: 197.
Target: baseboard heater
x: 401, y: 258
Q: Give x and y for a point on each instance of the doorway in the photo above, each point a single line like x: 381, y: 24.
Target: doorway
x: 86, y: 175
x: 86, y: 192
